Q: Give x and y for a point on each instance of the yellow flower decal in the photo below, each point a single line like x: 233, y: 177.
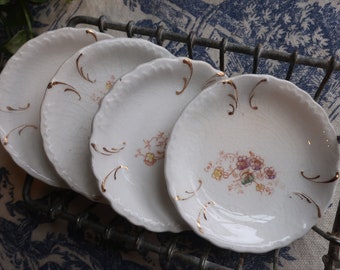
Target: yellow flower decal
x: 109, y: 85
x: 218, y: 173
x: 260, y: 187
x: 149, y: 159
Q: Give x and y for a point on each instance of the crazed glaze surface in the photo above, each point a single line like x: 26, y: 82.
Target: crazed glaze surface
x: 130, y: 133
x: 72, y: 98
x: 22, y: 87
x: 244, y: 160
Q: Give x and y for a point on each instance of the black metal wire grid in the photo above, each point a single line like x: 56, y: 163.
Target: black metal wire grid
x: 58, y: 202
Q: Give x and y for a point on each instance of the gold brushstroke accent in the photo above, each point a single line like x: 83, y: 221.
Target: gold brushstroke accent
x: 185, y: 79
x: 333, y: 179
x: 252, y: 93
x: 203, y: 212
x: 213, y: 78
x: 309, y: 178
x: 81, y: 71
x: 92, y: 33
x: 234, y: 96
x: 18, y: 109
x: 20, y: 129
x: 114, y: 171
x: 69, y: 87
x: 190, y: 193
x: 309, y: 200
x: 107, y: 151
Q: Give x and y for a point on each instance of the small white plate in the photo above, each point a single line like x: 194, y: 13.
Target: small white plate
x: 244, y: 159
x: 22, y: 87
x: 130, y: 133
x: 73, y: 97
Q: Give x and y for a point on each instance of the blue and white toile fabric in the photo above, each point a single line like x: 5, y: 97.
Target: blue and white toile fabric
x: 312, y: 27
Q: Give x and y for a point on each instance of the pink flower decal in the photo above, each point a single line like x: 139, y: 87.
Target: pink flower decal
x: 269, y: 173
x: 256, y: 163
x: 242, y: 163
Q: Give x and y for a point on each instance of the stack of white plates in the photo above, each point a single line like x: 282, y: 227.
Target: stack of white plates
x: 249, y: 163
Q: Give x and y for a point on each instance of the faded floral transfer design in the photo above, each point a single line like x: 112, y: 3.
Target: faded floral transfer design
x: 243, y: 171
x: 154, y: 149
x: 110, y: 83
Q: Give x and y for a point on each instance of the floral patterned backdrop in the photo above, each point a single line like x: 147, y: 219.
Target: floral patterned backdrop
x: 31, y: 241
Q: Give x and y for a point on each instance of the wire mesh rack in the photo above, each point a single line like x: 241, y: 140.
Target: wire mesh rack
x: 57, y: 203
